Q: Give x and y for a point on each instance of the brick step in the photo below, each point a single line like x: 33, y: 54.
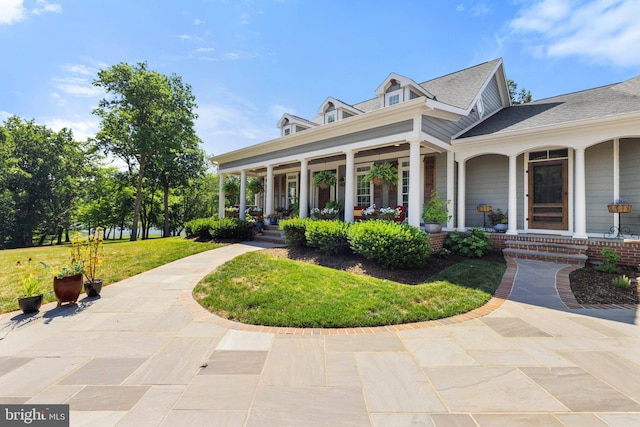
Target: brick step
x: 546, y: 247
x: 270, y: 239
x: 557, y: 257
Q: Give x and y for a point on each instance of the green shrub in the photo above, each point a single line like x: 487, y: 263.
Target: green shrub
x: 611, y: 259
x: 390, y: 244
x: 328, y: 237
x: 475, y: 243
x: 622, y: 282
x: 294, y: 230
x: 200, y: 227
x: 230, y: 228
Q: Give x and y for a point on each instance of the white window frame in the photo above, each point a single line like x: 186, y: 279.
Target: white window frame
x: 390, y: 95
x: 292, y: 178
x: 361, y: 171
x: 403, y: 196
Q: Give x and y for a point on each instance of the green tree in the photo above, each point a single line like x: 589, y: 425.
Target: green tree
x: 521, y: 97
x: 144, y: 113
x: 43, y: 180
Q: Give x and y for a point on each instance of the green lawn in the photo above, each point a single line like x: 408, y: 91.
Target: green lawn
x: 122, y: 259
x: 258, y: 289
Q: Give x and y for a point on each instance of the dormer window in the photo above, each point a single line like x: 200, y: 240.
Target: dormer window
x: 330, y: 113
x: 290, y: 124
x: 393, y: 94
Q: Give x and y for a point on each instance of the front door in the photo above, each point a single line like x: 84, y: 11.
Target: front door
x: 548, y: 195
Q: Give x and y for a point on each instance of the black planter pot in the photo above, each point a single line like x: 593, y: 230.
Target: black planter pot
x: 30, y: 304
x: 93, y: 288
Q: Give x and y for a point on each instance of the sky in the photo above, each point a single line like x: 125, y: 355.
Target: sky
x: 250, y: 61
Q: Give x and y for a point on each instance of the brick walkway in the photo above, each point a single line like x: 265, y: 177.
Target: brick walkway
x: 147, y: 354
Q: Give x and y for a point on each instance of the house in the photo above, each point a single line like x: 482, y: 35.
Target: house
x: 554, y: 164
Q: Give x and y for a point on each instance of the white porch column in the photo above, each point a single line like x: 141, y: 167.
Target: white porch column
x: 349, y: 186
x: 269, y: 202
x: 513, y: 197
x: 580, y: 208
x: 304, y: 188
x: 221, y: 196
x: 462, y: 165
x: 451, y: 166
x: 414, y: 184
x: 616, y: 177
x: 243, y: 193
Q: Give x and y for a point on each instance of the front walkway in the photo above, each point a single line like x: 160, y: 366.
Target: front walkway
x: 138, y: 356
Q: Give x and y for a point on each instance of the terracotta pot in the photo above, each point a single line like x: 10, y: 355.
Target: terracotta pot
x: 67, y: 289
x: 30, y: 304
x: 93, y: 288
x: 378, y: 181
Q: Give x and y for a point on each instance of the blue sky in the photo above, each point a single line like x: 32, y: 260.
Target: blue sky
x: 248, y: 62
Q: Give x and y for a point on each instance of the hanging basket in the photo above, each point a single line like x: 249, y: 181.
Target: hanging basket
x: 378, y: 181
x: 323, y: 186
x: 620, y: 208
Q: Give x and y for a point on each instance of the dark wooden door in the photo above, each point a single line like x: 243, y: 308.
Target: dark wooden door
x: 548, y: 195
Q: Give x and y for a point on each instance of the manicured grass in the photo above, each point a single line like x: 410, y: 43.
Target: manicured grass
x: 258, y: 289
x: 122, y: 259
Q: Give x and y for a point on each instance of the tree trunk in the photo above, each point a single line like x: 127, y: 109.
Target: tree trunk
x: 60, y: 235
x: 136, y: 209
x: 165, y: 188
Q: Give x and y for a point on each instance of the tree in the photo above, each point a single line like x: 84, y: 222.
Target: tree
x: 42, y: 178
x: 521, y: 97
x: 145, y: 113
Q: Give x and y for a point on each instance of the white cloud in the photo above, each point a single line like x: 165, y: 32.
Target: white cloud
x: 198, y: 21
x: 244, y: 19
x: 82, y: 129
x: 11, y: 11
x: 76, y: 82
x: 460, y: 8
x: 602, y: 31
x: 4, y: 115
x: 43, y: 7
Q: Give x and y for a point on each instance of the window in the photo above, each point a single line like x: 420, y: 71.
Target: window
x: 394, y: 99
x: 404, y: 184
x: 287, y: 131
x: 292, y: 189
x: 331, y: 117
x: 330, y: 113
x: 363, y: 189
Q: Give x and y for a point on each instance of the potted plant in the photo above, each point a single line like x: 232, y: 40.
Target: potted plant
x: 31, y: 298
x: 93, y: 254
x: 499, y: 220
x: 255, y: 185
x: 324, y: 179
x: 231, y: 185
x: 273, y: 219
x: 231, y: 212
x: 67, y: 283
x: 435, y: 213
x: 620, y: 206
x: 382, y: 173
x: 253, y: 212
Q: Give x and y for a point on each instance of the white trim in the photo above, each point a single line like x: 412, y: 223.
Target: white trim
x: 339, y: 105
x: 616, y: 177
x: 404, y: 81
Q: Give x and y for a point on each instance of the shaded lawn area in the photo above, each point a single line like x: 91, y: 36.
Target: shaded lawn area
x: 122, y: 259
x: 260, y: 289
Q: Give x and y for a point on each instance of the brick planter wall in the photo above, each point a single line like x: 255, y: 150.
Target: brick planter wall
x: 437, y: 241
x: 629, y: 250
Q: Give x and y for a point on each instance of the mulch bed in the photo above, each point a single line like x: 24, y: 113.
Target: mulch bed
x: 358, y: 265
x: 591, y: 286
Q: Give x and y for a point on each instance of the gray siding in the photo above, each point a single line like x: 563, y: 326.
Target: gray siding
x: 599, y: 183
x: 379, y: 132
x: 445, y: 129
x: 487, y: 181
x: 441, y: 175
x: 491, y: 97
x: 630, y: 181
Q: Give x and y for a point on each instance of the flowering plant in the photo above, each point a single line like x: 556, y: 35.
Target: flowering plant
x: 31, y: 285
x: 324, y: 213
x: 232, y: 209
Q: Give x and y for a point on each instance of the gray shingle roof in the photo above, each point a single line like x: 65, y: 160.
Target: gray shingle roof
x: 604, y: 101
x: 459, y: 89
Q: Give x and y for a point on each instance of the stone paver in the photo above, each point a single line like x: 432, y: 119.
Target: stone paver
x: 531, y: 356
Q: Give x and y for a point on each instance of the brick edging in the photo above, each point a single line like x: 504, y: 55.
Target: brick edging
x: 500, y: 296
x: 563, y: 286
